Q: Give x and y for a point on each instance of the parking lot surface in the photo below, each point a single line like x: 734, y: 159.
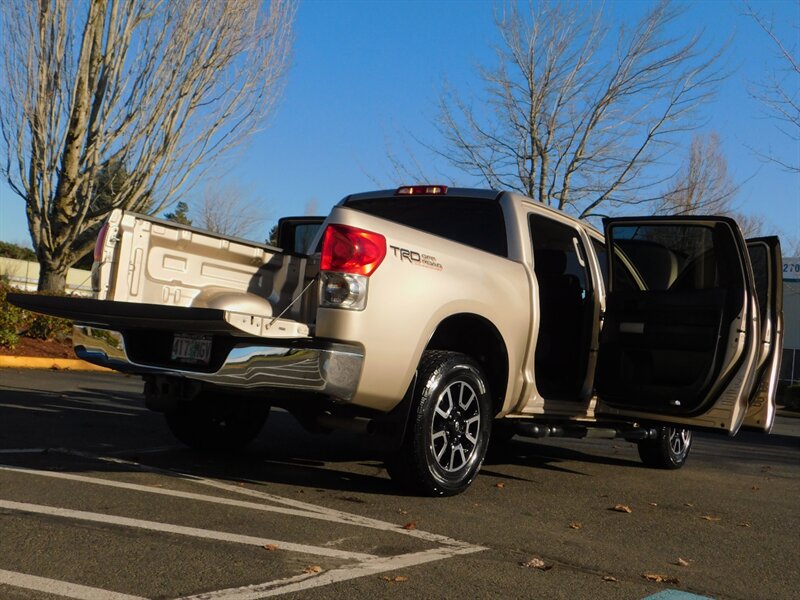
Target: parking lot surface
x: 97, y: 501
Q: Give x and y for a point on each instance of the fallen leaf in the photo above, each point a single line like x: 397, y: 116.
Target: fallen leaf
x: 745, y: 524
x: 653, y: 503
x: 575, y: 525
x: 500, y: 485
x: 690, y: 504
x: 661, y: 578
x: 711, y: 518
x: 395, y: 579
x: 682, y: 562
x: 609, y: 578
x: 402, y: 512
x: 270, y: 547
x: 313, y: 569
x: 622, y: 508
x: 410, y: 525
x: 615, y: 445
x: 755, y: 488
x: 536, y: 563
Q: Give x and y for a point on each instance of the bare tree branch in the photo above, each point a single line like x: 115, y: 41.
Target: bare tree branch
x: 161, y: 88
x: 779, y: 91
x: 575, y: 116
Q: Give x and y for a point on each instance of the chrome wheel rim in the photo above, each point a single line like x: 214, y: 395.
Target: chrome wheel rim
x: 455, y: 427
x: 679, y: 440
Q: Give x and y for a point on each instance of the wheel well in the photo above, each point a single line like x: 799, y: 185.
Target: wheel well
x: 478, y: 338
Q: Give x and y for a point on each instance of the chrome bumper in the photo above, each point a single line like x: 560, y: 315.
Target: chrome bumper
x: 330, y: 371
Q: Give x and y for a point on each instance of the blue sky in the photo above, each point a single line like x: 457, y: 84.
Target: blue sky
x: 367, y: 72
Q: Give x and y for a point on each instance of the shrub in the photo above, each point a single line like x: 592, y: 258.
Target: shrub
x: 45, y: 327
x: 12, y: 318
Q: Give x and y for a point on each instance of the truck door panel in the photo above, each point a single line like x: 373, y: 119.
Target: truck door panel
x: 681, y: 330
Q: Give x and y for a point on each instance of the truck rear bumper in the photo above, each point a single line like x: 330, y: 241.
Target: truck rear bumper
x: 328, y: 369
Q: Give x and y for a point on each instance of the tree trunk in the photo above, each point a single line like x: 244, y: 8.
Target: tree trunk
x: 52, y: 277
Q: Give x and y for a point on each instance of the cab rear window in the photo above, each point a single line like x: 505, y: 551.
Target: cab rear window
x: 476, y: 222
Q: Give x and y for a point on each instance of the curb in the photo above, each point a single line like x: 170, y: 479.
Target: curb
x: 57, y: 364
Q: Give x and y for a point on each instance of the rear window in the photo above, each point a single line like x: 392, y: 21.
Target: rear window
x: 476, y: 222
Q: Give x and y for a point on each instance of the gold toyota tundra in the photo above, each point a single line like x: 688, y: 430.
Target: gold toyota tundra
x: 434, y: 319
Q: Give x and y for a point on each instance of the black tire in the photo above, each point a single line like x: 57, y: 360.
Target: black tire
x: 447, y: 435
x: 219, y: 423
x: 667, y: 451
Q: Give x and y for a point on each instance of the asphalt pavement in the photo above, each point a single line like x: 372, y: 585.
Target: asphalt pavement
x: 98, y: 501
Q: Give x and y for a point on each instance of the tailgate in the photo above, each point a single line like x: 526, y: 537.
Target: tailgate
x: 122, y: 316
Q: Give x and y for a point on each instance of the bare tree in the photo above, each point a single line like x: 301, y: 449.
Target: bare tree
x: 160, y: 88
x: 573, y: 116
x: 703, y: 185
x: 779, y: 90
x: 228, y: 210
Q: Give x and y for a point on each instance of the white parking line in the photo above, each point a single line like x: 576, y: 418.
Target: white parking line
x: 180, y: 530
x: 366, y: 565
x: 60, y: 588
x: 363, y: 569
x: 328, y: 514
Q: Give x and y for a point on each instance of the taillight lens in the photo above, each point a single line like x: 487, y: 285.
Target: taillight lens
x: 100, y: 243
x: 348, y: 249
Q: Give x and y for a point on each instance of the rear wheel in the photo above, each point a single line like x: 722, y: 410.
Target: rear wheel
x: 217, y: 423
x: 449, y: 428
x: 667, y: 451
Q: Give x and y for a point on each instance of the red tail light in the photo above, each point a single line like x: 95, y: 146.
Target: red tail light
x: 100, y: 243
x: 351, y: 250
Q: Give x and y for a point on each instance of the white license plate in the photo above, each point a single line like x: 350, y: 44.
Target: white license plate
x: 191, y: 348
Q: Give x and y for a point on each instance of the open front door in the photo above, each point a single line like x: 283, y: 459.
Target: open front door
x: 765, y: 256
x: 681, y: 337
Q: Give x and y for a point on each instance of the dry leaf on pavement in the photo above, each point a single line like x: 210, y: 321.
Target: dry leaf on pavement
x: 410, y: 525
x: 609, y: 578
x: 395, y: 578
x: 623, y: 508
x: 661, y: 578
x: 575, y: 525
x: 682, y: 562
x: 653, y: 503
x: 745, y: 524
x: 536, y: 563
x: 689, y: 504
x: 711, y: 518
x: 313, y: 569
x: 500, y: 485
x: 270, y: 547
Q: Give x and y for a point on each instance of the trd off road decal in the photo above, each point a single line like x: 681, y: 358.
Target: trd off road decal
x: 416, y: 258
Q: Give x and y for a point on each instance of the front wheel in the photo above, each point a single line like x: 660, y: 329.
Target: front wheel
x: 217, y: 423
x: 667, y: 451
x: 449, y: 427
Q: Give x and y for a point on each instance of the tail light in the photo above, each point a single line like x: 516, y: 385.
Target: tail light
x: 351, y: 250
x: 349, y: 256
x: 100, y: 243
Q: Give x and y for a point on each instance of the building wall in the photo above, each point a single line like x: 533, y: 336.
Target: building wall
x: 24, y: 275
x: 790, y: 367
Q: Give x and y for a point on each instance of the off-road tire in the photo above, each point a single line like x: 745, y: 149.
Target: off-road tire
x: 668, y: 450
x: 449, y: 426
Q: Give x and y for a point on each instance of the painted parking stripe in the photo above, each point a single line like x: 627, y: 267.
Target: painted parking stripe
x: 181, y: 530
x: 60, y: 588
x: 330, y: 514
x: 363, y: 569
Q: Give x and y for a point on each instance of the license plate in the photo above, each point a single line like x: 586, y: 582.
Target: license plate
x: 191, y: 348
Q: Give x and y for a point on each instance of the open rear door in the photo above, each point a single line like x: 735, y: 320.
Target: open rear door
x: 681, y: 337
x: 765, y: 256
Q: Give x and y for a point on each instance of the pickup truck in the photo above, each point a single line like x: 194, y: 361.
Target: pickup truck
x: 434, y: 319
